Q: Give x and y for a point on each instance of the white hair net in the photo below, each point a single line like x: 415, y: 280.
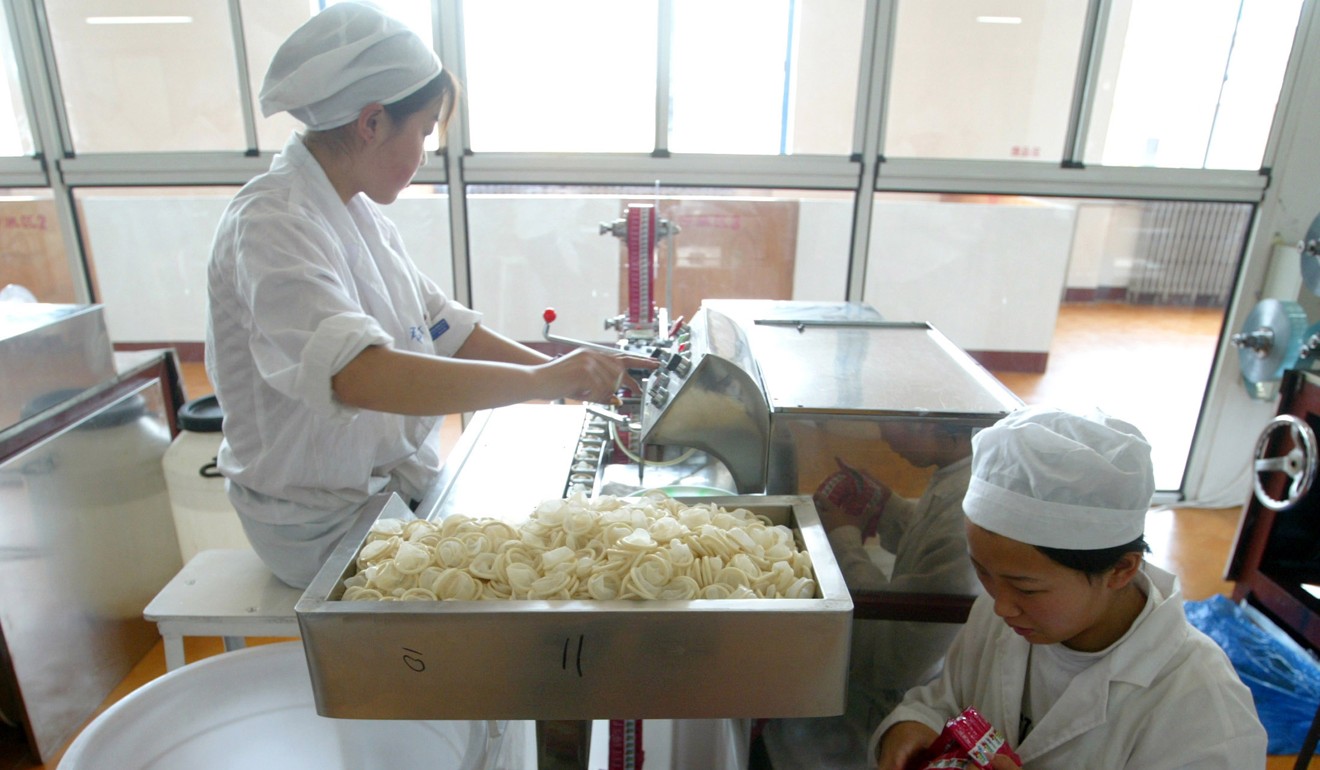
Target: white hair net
x: 341, y: 60
x: 1057, y: 479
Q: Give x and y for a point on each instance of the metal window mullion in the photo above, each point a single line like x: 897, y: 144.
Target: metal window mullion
x: 45, y: 101
x: 664, y: 56
x: 447, y: 23
x: 877, y: 55
x: 39, y: 60
x: 244, y: 77
x: 1086, y: 84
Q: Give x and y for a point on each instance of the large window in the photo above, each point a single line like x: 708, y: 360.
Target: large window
x: 1179, y: 83
x: 991, y: 81
x: 156, y: 76
x: 1211, y: 104
x: 543, y: 80
x: 765, y: 77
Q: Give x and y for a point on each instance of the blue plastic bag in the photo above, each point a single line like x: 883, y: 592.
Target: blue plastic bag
x: 1284, y: 678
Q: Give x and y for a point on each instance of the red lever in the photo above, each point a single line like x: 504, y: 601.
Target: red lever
x: 549, y: 315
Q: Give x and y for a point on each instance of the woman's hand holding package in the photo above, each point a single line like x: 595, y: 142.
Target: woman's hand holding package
x: 901, y: 744
x: 851, y: 497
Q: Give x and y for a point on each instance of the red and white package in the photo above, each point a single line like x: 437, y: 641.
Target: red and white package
x: 968, y: 742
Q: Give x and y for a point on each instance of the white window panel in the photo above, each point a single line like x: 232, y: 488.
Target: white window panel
x: 985, y: 80
x: 147, y: 75
x: 15, y: 129
x: 1190, y: 83
x: 571, y: 76
x: 765, y: 77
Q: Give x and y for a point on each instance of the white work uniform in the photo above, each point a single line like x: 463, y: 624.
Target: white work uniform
x: 928, y: 539
x: 300, y: 284
x: 1165, y: 696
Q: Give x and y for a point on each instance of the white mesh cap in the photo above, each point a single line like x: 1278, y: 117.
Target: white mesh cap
x: 341, y: 60
x: 1059, y: 479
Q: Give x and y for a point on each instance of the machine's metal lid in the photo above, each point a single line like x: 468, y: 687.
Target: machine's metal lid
x: 874, y: 368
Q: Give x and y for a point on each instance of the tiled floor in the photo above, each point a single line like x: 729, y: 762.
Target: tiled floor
x: 1093, y: 343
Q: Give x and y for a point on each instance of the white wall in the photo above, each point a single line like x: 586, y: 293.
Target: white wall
x: 1104, y: 245
x: 990, y: 277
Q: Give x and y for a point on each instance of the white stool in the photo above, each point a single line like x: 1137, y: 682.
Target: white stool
x: 228, y: 593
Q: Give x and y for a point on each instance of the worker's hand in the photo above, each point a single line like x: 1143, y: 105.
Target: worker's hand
x: 851, y: 497
x: 901, y: 744
x: 589, y: 375
x: 1003, y: 762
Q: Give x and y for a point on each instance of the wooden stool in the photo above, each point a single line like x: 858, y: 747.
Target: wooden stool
x: 228, y: 593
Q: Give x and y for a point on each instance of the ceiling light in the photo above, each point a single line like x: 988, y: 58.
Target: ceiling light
x: 139, y: 20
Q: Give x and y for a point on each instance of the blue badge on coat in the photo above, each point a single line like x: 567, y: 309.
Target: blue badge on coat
x: 440, y: 327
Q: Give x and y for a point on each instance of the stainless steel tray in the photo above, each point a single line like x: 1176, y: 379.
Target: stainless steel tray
x: 577, y: 660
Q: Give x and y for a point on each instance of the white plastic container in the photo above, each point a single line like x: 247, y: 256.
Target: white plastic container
x: 254, y: 708
x: 203, y: 516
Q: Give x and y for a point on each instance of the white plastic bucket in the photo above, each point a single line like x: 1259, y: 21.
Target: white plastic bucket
x: 254, y: 708
x: 203, y: 516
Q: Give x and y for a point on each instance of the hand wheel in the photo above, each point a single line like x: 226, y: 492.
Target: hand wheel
x: 1299, y: 463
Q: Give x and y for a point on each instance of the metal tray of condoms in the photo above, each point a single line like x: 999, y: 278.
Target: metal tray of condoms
x: 581, y: 659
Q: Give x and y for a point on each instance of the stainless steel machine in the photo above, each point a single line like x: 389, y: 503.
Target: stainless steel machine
x: 755, y: 403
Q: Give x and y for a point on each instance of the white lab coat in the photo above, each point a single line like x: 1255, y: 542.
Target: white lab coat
x: 1165, y: 697
x: 928, y: 539
x: 299, y: 284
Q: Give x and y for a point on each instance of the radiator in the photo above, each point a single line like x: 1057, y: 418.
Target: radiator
x: 1188, y: 253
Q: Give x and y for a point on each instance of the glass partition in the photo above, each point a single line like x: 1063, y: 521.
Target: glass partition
x: 33, y: 260
x: 1025, y: 283
x: 148, y: 250
x: 538, y: 247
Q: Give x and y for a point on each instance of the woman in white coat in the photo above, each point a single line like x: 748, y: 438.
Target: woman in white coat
x: 332, y: 356
x: 1079, y: 652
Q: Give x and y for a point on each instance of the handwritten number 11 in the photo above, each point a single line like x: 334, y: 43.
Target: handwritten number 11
x: 564, y: 662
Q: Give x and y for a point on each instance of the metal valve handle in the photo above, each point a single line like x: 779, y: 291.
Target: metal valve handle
x: 1299, y: 463
x: 549, y: 317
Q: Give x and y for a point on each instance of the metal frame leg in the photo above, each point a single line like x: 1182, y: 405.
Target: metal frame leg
x: 1308, y: 744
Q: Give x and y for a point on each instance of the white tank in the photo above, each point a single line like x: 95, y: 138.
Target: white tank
x: 255, y: 708
x: 203, y: 516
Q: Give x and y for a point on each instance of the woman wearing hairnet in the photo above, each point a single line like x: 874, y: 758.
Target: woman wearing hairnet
x: 330, y: 353
x: 1079, y: 652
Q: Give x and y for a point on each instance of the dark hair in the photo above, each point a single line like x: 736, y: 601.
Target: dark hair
x: 442, y: 85
x: 1094, y: 562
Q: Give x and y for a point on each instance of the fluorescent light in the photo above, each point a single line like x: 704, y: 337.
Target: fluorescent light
x: 139, y: 20
x: 999, y: 19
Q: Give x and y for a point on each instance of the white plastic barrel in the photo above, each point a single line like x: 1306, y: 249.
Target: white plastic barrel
x: 254, y: 708
x: 203, y: 516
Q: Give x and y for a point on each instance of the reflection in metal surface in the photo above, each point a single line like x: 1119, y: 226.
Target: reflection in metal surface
x: 88, y: 539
